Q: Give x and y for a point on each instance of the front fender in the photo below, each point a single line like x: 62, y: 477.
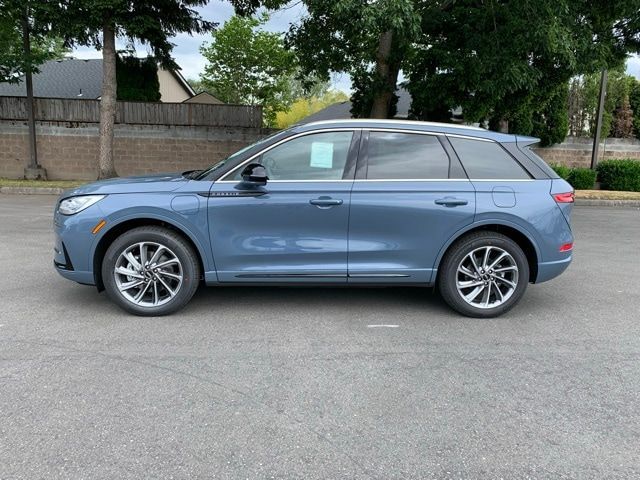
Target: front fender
x: 191, y: 222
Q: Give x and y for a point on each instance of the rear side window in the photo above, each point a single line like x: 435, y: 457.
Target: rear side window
x: 487, y: 160
x: 394, y: 155
x: 540, y: 162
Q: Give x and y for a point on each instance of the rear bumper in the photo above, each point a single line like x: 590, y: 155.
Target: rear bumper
x: 549, y: 270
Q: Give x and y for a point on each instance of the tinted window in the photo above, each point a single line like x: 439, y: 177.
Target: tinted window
x: 487, y: 160
x: 395, y: 155
x: 320, y: 156
x: 540, y: 162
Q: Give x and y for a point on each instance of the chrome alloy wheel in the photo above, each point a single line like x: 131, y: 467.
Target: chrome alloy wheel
x: 148, y: 274
x: 487, y: 277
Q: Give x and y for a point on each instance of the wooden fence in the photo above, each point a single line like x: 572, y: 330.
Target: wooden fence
x: 143, y: 113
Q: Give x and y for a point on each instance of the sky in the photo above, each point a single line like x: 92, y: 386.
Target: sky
x: 187, y: 48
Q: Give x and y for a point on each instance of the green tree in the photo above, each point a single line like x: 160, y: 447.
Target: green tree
x: 634, y: 103
x: 14, y: 17
x: 622, y: 125
x: 367, y: 40
x: 98, y: 23
x: 551, y: 118
x: 247, y: 65
x: 618, y: 88
x: 137, y: 79
x: 497, y: 59
x: 199, y: 87
x: 25, y: 43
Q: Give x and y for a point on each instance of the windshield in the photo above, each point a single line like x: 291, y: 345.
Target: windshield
x: 205, y: 173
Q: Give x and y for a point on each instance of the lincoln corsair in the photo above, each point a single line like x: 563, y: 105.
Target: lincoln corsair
x: 475, y: 213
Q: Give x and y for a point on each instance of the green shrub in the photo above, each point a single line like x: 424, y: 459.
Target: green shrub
x: 582, y: 178
x: 622, y: 175
x: 579, y: 178
x: 561, y: 170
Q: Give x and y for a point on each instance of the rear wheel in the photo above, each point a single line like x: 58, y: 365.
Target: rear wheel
x: 150, y: 271
x: 483, y: 275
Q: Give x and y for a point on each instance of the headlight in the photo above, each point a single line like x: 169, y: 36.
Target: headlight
x: 72, y: 205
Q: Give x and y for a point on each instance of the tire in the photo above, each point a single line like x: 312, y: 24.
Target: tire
x: 505, y: 281
x: 169, y: 284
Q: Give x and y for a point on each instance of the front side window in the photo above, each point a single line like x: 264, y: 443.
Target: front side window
x: 487, y: 160
x: 395, y: 155
x: 318, y: 156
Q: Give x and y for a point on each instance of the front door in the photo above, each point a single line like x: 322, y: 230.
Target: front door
x: 410, y: 197
x: 295, y: 228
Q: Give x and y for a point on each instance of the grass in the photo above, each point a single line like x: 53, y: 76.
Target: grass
x: 607, y: 195
x: 7, y: 182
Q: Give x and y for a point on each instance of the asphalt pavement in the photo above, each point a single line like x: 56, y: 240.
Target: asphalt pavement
x: 306, y: 383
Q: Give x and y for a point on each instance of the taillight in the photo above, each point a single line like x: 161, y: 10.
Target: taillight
x: 568, y: 197
x: 567, y: 247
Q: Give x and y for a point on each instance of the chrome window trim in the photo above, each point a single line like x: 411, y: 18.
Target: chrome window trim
x: 413, y: 180
x: 504, y: 179
x: 235, y: 182
x: 469, y: 137
x: 403, y: 130
x: 399, y: 122
x: 284, y: 140
x: 422, y: 180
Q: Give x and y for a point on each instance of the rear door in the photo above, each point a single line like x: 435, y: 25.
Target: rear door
x: 502, y: 184
x: 409, y: 197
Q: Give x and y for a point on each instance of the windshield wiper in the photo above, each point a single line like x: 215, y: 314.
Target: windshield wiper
x: 191, y: 174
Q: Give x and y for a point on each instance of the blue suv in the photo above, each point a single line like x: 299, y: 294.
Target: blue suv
x: 357, y: 202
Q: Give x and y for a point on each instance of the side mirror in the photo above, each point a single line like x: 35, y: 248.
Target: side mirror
x: 255, y: 174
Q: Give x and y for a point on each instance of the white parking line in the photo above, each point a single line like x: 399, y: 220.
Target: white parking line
x: 383, y: 326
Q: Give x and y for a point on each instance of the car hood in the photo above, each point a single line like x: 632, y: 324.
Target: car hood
x: 163, y: 182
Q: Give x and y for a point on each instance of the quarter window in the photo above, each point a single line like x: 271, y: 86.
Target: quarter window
x: 487, y: 160
x: 394, y: 155
x: 319, y: 156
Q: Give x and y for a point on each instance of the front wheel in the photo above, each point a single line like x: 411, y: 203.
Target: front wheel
x: 483, y: 275
x: 150, y: 271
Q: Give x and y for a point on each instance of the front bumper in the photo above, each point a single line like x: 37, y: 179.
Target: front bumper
x: 73, y: 244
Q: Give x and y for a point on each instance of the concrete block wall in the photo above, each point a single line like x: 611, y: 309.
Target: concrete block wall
x: 70, y: 151
x: 576, y: 152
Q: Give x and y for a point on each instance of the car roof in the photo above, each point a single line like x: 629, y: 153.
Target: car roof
x: 435, y: 127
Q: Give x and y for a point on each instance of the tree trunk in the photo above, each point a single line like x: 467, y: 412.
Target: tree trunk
x: 26, y: 46
x: 386, y: 77
x: 503, y: 125
x: 107, y: 103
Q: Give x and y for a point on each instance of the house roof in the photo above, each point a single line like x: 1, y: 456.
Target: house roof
x: 68, y: 78
x: 203, y: 97
x: 183, y: 82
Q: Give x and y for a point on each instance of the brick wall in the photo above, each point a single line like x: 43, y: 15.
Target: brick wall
x: 576, y: 152
x: 69, y: 151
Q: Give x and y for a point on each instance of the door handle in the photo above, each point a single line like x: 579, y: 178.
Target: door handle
x: 325, y: 202
x: 451, y: 201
